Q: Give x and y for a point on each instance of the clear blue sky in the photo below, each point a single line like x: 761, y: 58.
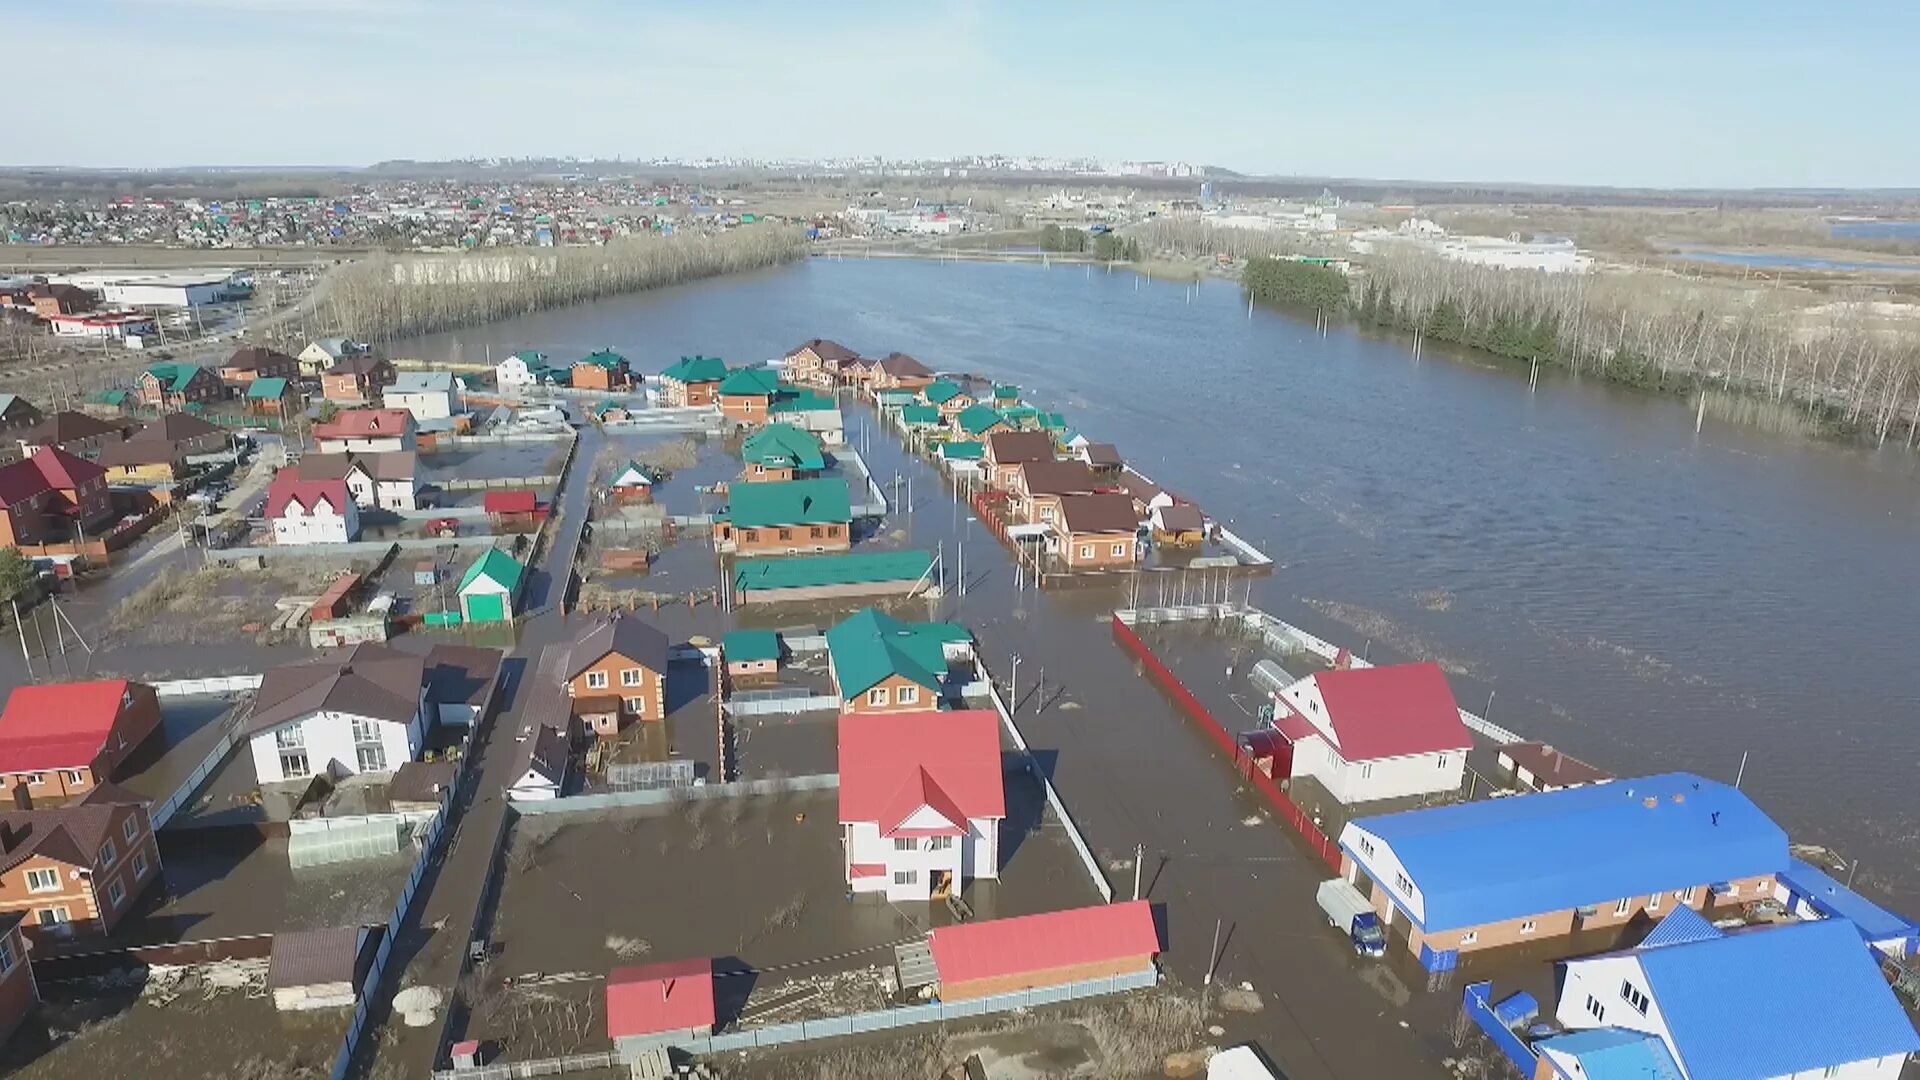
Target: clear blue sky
x: 1670, y: 93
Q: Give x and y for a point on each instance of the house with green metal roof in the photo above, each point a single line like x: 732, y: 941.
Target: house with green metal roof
x: 602, y: 370
x: 946, y: 396
x: 1052, y: 421
x: 695, y: 380
x: 1006, y: 394
x: 921, y: 416
x: 979, y: 421
x: 747, y: 395
x: 785, y: 517
x: 176, y: 385
x: 880, y: 664
x: 753, y: 656
x: 894, y: 399
x: 488, y: 588
x: 793, y: 400
x: 958, y: 450
x: 1021, y: 417
x: 272, y: 395
x: 781, y: 452
x: 825, y: 577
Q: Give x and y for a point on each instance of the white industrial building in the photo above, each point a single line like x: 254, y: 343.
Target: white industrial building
x: 175, y: 289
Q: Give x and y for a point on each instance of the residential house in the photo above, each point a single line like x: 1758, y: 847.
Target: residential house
x: 780, y: 452
x: 1008, y: 450
x: 615, y: 671
x: 1005, y: 396
x: 880, y: 664
x: 822, y: 363
x: 1006, y: 956
x: 388, y: 481
x: 1038, y: 486
x: 59, y: 741
x: 632, y: 484
x: 897, y: 371
x: 832, y: 577
x: 1103, y: 458
x: 19, y: 417
x: 603, y: 370
x: 420, y: 787
x: 143, y: 461
x: 311, y: 511
x: 75, y: 432
x: 1813, y: 1003
x: 695, y: 380
x: 1177, y: 525
x: 1479, y: 875
x: 785, y: 518
x: 187, y: 433
x: 746, y: 396
x: 317, y: 969
x: 659, y: 1005
x: 174, y: 386
x: 810, y: 412
x: 979, y: 421
x: 963, y: 457
x: 320, y: 355
x: 18, y: 991
x: 1373, y: 733
x: 1096, y: 532
x: 461, y: 681
x: 428, y: 395
x: 1540, y: 767
x: 488, y: 588
x: 1146, y: 494
x: 52, y: 497
x: 273, y: 397
x: 59, y: 299
x: 921, y: 801
x: 1019, y: 417
x: 921, y: 418
x: 367, y: 431
x: 365, y: 712
x: 257, y: 362
x: 79, y: 868
x: 1812, y: 893
x: 753, y: 656
x: 542, y: 766
x: 521, y: 370
x: 947, y: 397
x: 358, y: 379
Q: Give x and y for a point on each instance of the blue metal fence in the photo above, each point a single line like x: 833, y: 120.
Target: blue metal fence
x: 1481, y: 1011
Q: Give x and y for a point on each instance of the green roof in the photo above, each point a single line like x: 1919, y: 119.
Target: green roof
x: 804, y: 401
x: 496, y: 565
x: 697, y: 369
x: 979, y: 419
x: 1020, y: 414
x: 174, y: 376
x: 966, y: 450
x: 531, y: 357
x: 783, y: 446
x: 872, y: 647
x: 645, y: 475
x: 749, y: 645
x: 605, y: 358
x: 1006, y: 393
x: 940, y: 392
x: 1052, y: 421
x: 817, y: 570
x: 920, y: 415
x: 762, y: 382
x: 789, y: 502
x: 110, y: 397
x: 267, y: 389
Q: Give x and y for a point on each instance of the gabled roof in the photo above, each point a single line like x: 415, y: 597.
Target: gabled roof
x: 9, y: 402
x: 979, y: 419
x: 871, y: 647
x: 1819, y: 1001
x: 365, y: 423
x: 799, y: 401
x: 1177, y: 518
x: 141, y: 452
x: 957, y: 752
x: 1386, y: 712
x: 533, y: 358
x: 629, y: 635
x: 510, y: 502
x: 176, y: 427
x: 357, y: 364
x: 789, y: 502
x: 1835, y: 900
x: 659, y: 998
x: 1006, y: 392
x: 941, y: 391
x: 783, y: 446
x: 497, y: 566
x: 604, y: 359
x: 251, y: 357
x: 1615, y: 1054
x: 751, y: 382
x: 832, y: 353
x: 422, y: 382
x: 46, y: 469
x: 1016, y: 447
x: 374, y: 681
x: 314, y: 957
x: 633, y: 474
x: 70, y: 834
x: 267, y: 389
x: 744, y: 646
x: 920, y: 415
x: 1055, y: 940
x: 176, y: 377
x: 912, y: 809
x: 1490, y: 861
x: 289, y: 488
x: 1050, y: 477
x: 59, y: 725
x: 697, y: 369
x: 1553, y: 766
x: 1103, y: 453
x: 963, y: 450
x: 813, y: 570
x: 1683, y: 926
x: 67, y: 426
x: 1098, y: 514
x: 335, y: 347
x: 901, y: 366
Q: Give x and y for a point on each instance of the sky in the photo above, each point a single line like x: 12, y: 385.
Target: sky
x: 1667, y: 93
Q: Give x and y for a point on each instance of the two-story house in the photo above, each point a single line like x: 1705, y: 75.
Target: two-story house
x: 188, y: 432
x: 947, y: 397
x: 143, y: 461
x: 821, y: 363
x: 615, y: 672
x: 357, y: 379
x: 602, y: 370
x: 79, y: 868
x: 880, y: 664
x: 367, y: 431
x: 896, y: 371
x: 921, y: 801
x: 694, y: 380
x: 528, y: 367
x: 257, y: 362
x: 388, y: 481
x: 304, y: 511
x: 18, y: 991
x: 1037, y: 487
x: 1094, y: 532
x: 1008, y: 450
x: 174, y: 386
x: 75, y: 432
x: 1374, y: 733
x: 366, y: 712
x: 781, y: 452
x: 428, y: 395
x: 746, y: 396
x: 18, y: 416
x: 52, y: 496
x: 322, y: 354
x: 59, y: 741
x: 785, y: 518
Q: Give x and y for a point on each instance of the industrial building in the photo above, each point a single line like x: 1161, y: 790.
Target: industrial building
x: 174, y: 289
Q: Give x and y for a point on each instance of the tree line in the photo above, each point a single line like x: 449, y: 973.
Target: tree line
x: 1106, y: 246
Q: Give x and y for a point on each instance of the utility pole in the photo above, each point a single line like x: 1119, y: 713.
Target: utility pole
x: 1742, y: 774
x: 25, y: 656
x: 1213, y: 957
x: 1139, y: 856
x: 1013, y: 687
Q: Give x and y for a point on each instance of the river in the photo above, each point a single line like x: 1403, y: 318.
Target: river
x: 1632, y: 592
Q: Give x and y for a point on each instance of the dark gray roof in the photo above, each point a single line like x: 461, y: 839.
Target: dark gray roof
x: 547, y: 754
x: 373, y: 681
x: 461, y: 673
x: 1014, y: 447
x: 1058, y: 477
x: 1098, y: 513
x: 314, y: 957
x: 391, y: 465
x: 629, y: 635
x: 1102, y: 453
x: 1181, y: 517
x: 416, y: 781
x: 71, y: 834
x: 177, y: 427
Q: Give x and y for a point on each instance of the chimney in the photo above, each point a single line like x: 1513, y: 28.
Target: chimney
x: 22, y: 798
x: 9, y: 836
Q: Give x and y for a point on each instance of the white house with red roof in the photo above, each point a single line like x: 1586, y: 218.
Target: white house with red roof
x: 311, y: 511
x: 656, y: 1005
x: 367, y: 431
x: 921, y: 800
x: 1374, y: 732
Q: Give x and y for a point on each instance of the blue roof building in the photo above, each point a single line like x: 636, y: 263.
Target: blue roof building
x: 1482, y: 874
x: 1610, y: 1054
x: 1811, y: 891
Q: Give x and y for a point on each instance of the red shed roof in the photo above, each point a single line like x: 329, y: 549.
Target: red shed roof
x: 1388, y: 712
x: 510, y: 502
x: 892, y: 765
x: 656, y: 998
x: 58, y: 726
x: 1049, y: 942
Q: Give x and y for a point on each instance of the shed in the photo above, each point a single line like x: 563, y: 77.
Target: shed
x: 425, y: 572
x: 752, y: 655
x: 1002, y: 956
x: 657, y: 1005
x: 488, y: 588
x: 316, y: 969
x: 512, y: 509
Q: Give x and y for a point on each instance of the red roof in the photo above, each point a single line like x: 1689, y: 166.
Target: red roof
x: 58, y: 726
x: 656, y: 998
x: 1388, y: 712
x: 1294, y: 726
x: 949, y: 761
x: 287, y: 487
x: 364, y: 424
x: 1049, y: 942
x: 48, y: 469
x: 510, y: 502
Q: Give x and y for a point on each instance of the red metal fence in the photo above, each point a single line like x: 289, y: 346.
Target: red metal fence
x: 1316, y: 841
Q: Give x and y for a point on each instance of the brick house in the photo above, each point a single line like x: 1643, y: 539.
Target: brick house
x: 273, y: 397
x: 785, y: 518
x: 822, y: 363
x: 184, y: 430
x: 357, y: 379
x: 1096, y: 532
x: 947, y: 397
x: 257, y: 362
x: 1008, y: 450
x: 172, y: 386
x: 367, y: 431
x: 979, y: 421
x: 75, y: 432
x: 1038, y: 486
x: 59, y: 741
x: 143, y: 461
x: 49, y: 495
x: 18, y: 416
x: 880, y: 664
x: 603, y: 370
x: 921, y: 801
x: 51, y: 300
x: 1055, y: 948
x: 780, y: 452
x: 695, y: 380
x: 615, y: 672
x: 77, y: 869
x: 18, y: 991
x: 897, y: 371
x: 746, y: 396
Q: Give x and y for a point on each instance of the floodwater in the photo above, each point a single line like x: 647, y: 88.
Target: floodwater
x: 1758, y: 260
x: 1637, y: 594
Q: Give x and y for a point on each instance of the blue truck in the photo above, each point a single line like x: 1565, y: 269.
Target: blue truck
x: 1349, y: 912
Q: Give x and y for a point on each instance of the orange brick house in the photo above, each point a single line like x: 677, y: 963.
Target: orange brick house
x: 746, y: 396
x: 695, y: 380
x: 353, y: 380
x: 60, y: 741
x: 18, y: 992
x: 785, y: 518
x: 898, y: 371
x: 822, y: 363
x: 1008, y: 450
x: 615, y: 672
x: 49, y: 496
x: 77, y: 869
x: 171, y: 386
x: 1038, y: 486
x: 880, y: 664
x: 1096, y: 532
x: 603, y: 370
x: 256, y: 362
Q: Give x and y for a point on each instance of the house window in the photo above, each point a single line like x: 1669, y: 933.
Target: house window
x: 288, y: 738
x: 1366, y: 847
x: 633, y: 705
x: 364, y: 731
x: 1733, y: 888
x: 139, y: 865
x: 1653, y: 902
x: 43, y: 881
x: 36, y: 779
x: 902, y: 844
x: 371, y: 758
x: 1620, y: 908
x: 1400, y: 882
x: 1469, y: 937
x: 814, y: 533
x: 596, y: 680
x: 909, y: 695
x: 1440, y: 762
x: 1689, y: 894
x: 1119, y: 550
x: 1633, y: 997
x: 131, y: 829
x: 108, y: 856
x: 54, y: 916
x: 906, y: 877
x: 1527, y: 927
x: 6, y: 956
x: 877, y: 696
x: 630, y: 676
x: 940, y: 843
x: 1596, y: 1010
x: 1366, y: 771
x: 1086, y: 551
x: 786, y: 534
x: 749, y: 535
x: 117, y: 893
x: 75, y: 778
x: 293, y: 765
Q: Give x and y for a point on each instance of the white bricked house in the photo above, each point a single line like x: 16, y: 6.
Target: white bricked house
x: 311, y: 511
x: 921, y: 801
x: 365, y: 713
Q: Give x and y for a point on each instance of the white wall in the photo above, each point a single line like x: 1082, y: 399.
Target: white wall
x: 424, y: 405
x: 324, y: 525
x: 328, y: 737
x: 512, y: 372
x: 1383, y: 866
x: 359, y: 445
x: 1388, y: 778
x: 975, y: 855
x: 1602, y: 978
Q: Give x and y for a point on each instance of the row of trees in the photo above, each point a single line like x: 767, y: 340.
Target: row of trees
x: 1294, y: 283
x: 383, y: 297
x: 1106, y: 246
